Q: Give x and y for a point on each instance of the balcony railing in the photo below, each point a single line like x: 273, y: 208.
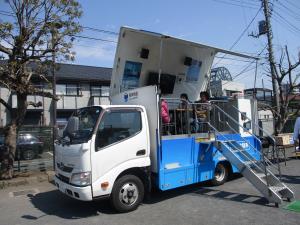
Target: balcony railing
x: 31, y: 98
x: 72, y: 102
x: 95, y: 100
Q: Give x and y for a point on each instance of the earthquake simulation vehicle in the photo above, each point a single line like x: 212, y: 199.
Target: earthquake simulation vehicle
x: 121, y: 151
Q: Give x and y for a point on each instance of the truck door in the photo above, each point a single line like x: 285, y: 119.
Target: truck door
x: 121, y: 143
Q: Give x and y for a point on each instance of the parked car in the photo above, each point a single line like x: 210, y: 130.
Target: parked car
x: 28, y: 146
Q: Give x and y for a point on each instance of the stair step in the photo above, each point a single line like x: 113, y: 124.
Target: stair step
x: 238, y: 150
x: 261, y: 175
x: 249, y: 162
x: 255, y: 170
x: 277, y: 189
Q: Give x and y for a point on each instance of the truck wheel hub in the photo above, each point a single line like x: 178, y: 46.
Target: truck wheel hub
x: 128, y: 194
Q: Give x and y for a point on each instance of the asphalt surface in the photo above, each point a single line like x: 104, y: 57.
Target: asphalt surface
x: 236, y: 202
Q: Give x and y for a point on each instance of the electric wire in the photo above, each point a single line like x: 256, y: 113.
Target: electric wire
x: 240, y: 36
x: 247, y: 66
x: 234, y: 4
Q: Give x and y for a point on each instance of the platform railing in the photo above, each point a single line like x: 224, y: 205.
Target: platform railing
x: 264, y: 159
x: 185, y: 118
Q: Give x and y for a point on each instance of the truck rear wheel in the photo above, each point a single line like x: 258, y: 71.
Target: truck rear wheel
x: 220, y: 175
x: 127, y: 193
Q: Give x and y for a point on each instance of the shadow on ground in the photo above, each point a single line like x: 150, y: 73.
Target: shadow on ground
x: 289, y: 179
x: 205, y: 189
x: 55, y: 203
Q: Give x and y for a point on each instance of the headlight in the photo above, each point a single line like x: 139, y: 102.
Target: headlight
x: 81, y: 179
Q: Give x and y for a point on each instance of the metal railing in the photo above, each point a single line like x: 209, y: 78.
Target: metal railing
x: 184, y: 119
x: 274, y: 145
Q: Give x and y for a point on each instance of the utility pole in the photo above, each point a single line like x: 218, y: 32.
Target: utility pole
x: 276, y: 101
x: 54, y: 105
x: 54, y: 32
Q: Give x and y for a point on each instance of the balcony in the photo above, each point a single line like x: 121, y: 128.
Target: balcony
x: 32, y: 98
x: 95, y: 100
x: 72, y: 102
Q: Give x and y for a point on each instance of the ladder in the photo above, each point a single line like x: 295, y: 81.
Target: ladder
x: 257, y: 172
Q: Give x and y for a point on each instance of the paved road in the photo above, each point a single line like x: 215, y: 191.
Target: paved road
x: 235, y: 202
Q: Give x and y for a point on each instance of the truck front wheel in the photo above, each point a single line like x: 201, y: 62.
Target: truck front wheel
x: 220, y: 175
x: 127, y: 193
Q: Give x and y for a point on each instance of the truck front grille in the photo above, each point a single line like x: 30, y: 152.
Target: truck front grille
x: 63, y: 178
x: 64, y: 168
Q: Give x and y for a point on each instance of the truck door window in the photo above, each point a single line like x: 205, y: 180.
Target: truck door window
x: 116, y: 126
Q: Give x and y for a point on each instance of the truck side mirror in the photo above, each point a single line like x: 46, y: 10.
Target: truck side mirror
x: 72, y: 126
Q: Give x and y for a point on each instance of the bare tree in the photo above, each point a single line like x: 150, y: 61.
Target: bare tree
x: 287, y: 82
x: 34, y: 30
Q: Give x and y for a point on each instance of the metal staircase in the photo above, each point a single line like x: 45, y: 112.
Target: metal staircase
x: 255, y: 171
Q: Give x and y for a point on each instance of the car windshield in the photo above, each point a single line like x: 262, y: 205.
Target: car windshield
x: 86, y: 118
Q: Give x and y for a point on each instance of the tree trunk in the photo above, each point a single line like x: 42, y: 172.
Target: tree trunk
x: 8, y: 157
x: 10, y: 142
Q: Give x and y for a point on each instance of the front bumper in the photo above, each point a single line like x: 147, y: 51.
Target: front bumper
x: 79, y: 193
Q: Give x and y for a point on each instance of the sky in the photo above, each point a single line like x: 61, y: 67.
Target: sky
x: 214, y: 22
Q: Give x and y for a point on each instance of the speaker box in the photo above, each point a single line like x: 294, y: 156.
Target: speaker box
x: 188, y: 61
x: 144, y: 53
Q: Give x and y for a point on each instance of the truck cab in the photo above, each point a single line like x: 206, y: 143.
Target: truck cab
x: 100, y: 144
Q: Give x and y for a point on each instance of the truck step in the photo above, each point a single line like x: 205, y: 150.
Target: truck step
x: 277, y: 189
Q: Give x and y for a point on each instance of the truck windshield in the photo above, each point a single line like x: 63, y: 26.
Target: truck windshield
x: 86, y: 119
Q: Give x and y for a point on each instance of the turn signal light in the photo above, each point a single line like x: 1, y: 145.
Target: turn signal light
x: 104, y: 185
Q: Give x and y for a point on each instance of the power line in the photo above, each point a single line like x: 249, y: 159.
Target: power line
x: 234, y: 4
x: 100, y: 30
x: 241, y: 2
x: 285, y: 26
x: 245, y: 69
x: 289, y: 12
x: 6, y: 13
x: 92, y: 38
x: 289, y: 23
x: 241, y: 35
x: 292, y: 4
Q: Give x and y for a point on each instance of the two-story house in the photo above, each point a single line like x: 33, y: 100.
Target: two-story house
x: 76, y: 85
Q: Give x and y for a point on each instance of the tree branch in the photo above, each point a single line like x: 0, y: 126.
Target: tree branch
x: 34, y: 104
x: 5, y: 104
x: 45, y: 94
x: 5, y: 50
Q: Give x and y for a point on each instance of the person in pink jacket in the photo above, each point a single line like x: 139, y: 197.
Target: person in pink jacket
x: 165, y: 112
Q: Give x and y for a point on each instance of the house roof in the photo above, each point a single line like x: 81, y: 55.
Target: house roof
x: 77, y: 72
x: 81, y: 72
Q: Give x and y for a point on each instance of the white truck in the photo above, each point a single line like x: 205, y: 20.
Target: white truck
x: 124, y: 150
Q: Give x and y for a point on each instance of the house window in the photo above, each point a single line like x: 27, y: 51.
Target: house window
x: 67, y: 89
x: 72, y: 89
x: 100, y: 91
x: 61, y: 89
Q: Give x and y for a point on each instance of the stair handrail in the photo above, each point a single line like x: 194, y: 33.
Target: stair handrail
x: 226, y: 138
x: 259, y: 127
x: 264, y: 162
x: 263, y: 157
x: 268, y: 135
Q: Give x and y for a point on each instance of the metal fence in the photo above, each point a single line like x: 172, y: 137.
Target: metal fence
x: 38, y: 159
